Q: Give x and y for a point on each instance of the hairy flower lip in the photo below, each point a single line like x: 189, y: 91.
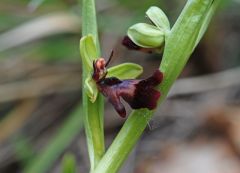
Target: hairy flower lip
x: 138, y: 93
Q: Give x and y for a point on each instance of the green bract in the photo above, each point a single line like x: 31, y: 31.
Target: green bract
x: 159, y: 18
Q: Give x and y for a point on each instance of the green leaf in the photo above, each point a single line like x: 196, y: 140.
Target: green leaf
x: 125, y: 71
x: 69, y: 163
x: 146, y: 35
x: 159, y: 18
x: 88, y: 51
x: 91, y: 89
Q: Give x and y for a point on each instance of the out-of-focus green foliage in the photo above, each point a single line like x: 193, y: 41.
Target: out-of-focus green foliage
x: 70, y: 128
x: 24, y: 150
x: 69, y: 163
x: 55, y: 48
x: 59, y: 48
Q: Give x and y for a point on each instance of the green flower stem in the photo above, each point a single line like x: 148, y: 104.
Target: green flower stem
x: 93, y: 112
x: 179, y: 45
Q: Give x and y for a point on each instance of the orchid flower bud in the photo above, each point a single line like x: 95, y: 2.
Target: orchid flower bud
x: 148, y: 37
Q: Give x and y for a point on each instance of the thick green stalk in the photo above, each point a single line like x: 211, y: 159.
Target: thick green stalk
x: 93, y: 112
x: 179, y: 45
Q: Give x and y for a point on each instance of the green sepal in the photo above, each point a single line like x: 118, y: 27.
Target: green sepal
x: 88, y: 51
x: 159, y: 18
x: 146, y: 35
x: 91, y: 89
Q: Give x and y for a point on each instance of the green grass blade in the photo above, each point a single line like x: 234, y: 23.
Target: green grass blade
x: 57, y: 145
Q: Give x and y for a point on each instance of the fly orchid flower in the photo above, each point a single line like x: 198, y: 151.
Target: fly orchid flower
x: 138, y: 93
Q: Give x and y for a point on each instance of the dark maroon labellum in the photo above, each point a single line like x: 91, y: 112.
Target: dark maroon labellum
x: 137, y: 93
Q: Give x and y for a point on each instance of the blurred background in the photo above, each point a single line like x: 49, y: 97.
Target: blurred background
x: 195, y: 130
